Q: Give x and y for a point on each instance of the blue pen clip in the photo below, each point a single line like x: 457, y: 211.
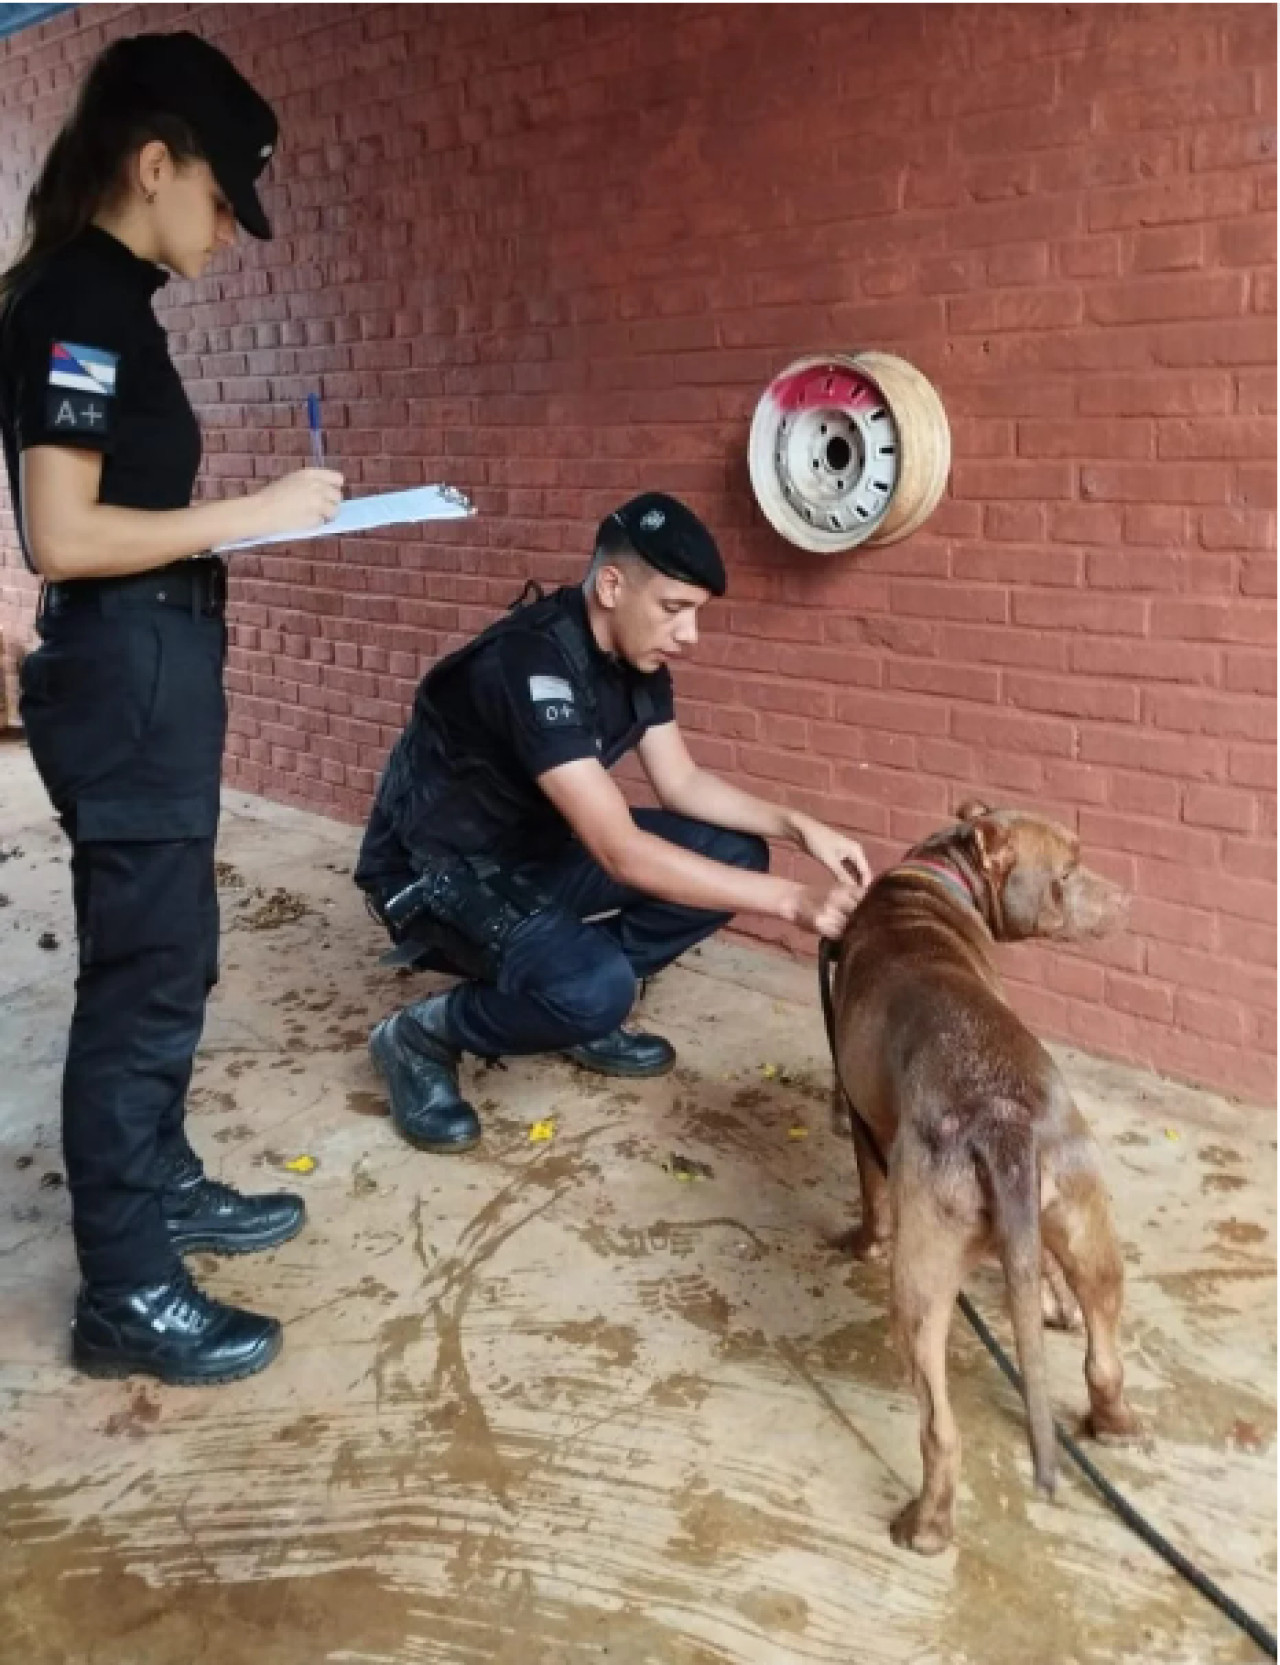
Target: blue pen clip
x: 313, y: 422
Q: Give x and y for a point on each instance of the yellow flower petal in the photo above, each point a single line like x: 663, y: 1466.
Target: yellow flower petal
x: 301, y: 1164
x: 1172, y: 1133
x: 540, y: 1132
x: 797, y: 1133
x: 769, y: 1071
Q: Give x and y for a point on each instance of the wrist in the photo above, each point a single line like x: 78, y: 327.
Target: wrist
x: 794, y: 822
x: 787, y: 905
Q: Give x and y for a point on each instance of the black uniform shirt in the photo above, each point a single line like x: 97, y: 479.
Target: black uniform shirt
x: 518, y: 703
x: 85, y: 363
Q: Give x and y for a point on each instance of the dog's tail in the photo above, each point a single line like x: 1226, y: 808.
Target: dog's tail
x: 1005, y: 1148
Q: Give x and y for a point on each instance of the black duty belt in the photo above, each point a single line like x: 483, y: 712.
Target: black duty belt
x: 197, y: 587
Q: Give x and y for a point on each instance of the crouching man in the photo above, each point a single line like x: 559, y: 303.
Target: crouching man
x: 500, y: 849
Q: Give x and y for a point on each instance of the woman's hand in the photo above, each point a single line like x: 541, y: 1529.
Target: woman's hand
x: 298, y: 502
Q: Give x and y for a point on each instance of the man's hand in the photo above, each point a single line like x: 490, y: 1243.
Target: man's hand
x: 838, y: 853
x: 824, y: 910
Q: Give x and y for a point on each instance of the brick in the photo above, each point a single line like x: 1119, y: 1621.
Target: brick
x: 962, y: 682
x: 1014, y: 522
x: 1166, y: 394
x: 1238, y: 145
x: 1207, y: 1014
x: 1073, y: 697
x: 1018, y: 564
x: 1169, y: 249
x: 1210, y: 621
x: 1136, y: 570
x: 1140, y: 996
x: 1045, y: 736
x: 1086, y: 523
x: 1100, y: 615
x: 1250, y: 242
x: 1152, y: 482
x: 1159, y: 299
x: 1144, y: 661
x: 1250, y: 673
x: 1086, y: 438
x: 1173, y: 202
x: 1230, y: 809
x: 1223, y: 716
x: 1012, y: 480
x: 1089, y: 257
x: 1227, y: 438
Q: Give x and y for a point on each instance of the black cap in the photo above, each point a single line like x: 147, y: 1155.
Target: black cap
x: 672, y: 539
x: 234, y: 126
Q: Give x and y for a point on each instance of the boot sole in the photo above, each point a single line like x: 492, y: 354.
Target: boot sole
x: 210, y: 1245
x: 89, y: 1361
x: 621, y: 1072
x: 451, y: 1147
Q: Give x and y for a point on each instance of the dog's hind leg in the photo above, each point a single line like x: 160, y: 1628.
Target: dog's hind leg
x: 930, y: 1256
x: 1077, y: 1230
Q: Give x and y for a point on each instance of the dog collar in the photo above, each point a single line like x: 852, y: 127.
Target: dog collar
x: 941, y: 873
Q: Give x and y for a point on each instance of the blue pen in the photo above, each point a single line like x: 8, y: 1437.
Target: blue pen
x: 313, y: 422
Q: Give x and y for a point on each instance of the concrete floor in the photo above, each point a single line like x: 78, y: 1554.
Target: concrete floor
x: 549, y: 1402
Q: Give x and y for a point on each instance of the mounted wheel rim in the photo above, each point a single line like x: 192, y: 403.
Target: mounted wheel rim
x: 847, y: 450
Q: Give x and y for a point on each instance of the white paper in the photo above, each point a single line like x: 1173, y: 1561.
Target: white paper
x: 366, y: 514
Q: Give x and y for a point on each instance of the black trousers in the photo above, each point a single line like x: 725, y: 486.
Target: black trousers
x: 564, y: 982
x: 124, y: 711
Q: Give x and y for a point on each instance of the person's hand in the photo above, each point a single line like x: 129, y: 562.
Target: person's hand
x: 298, y: 502
x: 824, y: 909
x: 839, y: 854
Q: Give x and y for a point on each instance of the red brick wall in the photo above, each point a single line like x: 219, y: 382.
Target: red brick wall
x: 552, y: 255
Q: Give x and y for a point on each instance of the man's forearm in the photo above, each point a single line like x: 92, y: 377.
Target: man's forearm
x: 674, y: 874
x: 705, y: 797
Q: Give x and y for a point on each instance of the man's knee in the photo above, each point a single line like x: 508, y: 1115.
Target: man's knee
x: 591, y: 1000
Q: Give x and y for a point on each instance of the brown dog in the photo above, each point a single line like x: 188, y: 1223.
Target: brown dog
x: 986, y: 1148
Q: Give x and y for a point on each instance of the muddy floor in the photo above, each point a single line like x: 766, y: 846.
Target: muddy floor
x: 604, y: 1395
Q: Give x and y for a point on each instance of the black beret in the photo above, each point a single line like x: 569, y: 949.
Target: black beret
x: 671, y: 539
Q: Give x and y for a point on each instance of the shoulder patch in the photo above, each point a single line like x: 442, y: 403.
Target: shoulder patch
x: 554, y: 704
x: 83, y: 369
x: 550, y: 688
x: 81, y: 388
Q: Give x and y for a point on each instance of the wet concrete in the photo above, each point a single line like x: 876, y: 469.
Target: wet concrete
x: 573, y: 1401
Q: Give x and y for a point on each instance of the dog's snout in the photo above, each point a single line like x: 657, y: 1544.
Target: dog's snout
x: 1094, y: 906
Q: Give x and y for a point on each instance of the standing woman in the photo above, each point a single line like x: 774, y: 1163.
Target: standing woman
x: 122, y: 702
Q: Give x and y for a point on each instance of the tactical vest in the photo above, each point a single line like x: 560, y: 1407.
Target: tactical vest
x: 423, y: 787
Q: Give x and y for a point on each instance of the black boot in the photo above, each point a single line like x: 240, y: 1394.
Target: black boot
x: 418, y: 1060
x: 205, y: 1214
x: 623, y: 1053
x: 171, y: 1330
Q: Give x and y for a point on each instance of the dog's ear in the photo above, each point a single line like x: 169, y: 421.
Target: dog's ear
x: 991, y: 845
x: 971, y: 809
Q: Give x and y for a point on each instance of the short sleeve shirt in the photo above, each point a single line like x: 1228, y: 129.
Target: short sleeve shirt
x: 84, y: 362
x: 522, y: 702
x: 518, y: 704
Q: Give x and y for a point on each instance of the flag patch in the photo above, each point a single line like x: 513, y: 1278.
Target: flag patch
x: 549, y: 688
x: 83, y: 369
